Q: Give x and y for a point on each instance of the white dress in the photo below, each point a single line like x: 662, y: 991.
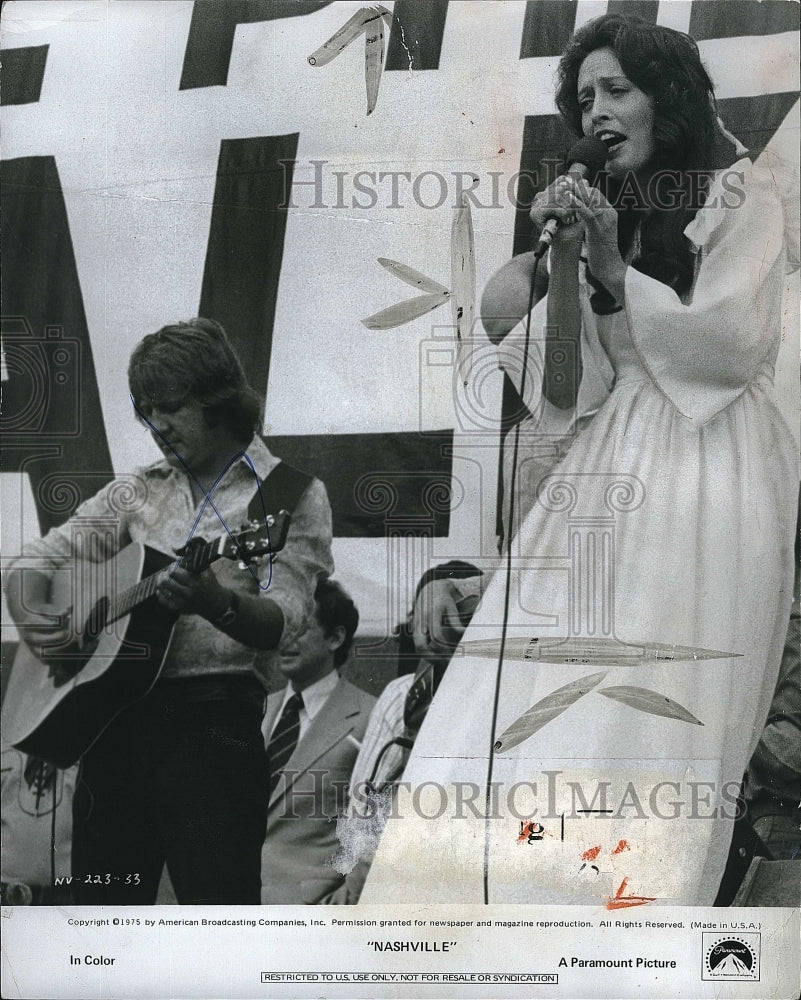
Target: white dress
x: 669, y: 521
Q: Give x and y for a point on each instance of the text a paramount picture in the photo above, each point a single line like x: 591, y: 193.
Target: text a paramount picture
x: 400, y: 490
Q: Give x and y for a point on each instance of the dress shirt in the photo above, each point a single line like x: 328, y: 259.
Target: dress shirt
x: 386, y: 723
x: 314, y: 697
x: 155, y: 506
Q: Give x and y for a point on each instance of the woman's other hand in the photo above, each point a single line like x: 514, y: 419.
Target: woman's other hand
x: 555, y: 203
x: 599, y: 222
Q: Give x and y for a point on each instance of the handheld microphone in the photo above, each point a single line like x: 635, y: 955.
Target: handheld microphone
x: 584, y: 160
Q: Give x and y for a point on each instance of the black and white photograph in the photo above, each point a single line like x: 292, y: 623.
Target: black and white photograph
x: 401, y: 423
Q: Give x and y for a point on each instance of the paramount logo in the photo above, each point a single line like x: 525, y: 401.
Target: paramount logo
x: 731, y: 956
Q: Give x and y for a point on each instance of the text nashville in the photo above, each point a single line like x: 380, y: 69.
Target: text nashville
x: 410, y: 945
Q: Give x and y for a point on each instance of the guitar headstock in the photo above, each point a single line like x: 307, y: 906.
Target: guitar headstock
x: 264, y: 537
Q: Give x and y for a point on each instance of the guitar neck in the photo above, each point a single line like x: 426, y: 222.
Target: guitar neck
x: 128, y: 600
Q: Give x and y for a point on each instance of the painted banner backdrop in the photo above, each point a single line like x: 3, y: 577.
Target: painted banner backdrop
x: 168, y: 159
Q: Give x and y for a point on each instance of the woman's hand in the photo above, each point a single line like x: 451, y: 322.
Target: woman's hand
x: 437, y: 622
x: 555, y: 203
x: 599, y: 221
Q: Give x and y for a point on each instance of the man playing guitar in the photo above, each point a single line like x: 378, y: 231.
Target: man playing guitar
x: 180, y: 776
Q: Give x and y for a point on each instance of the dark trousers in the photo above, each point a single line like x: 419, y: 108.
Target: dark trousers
x: 178, y: 778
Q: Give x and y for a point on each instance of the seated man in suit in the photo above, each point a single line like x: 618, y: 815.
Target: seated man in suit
x: 313, y: 730
x: 394, y: 724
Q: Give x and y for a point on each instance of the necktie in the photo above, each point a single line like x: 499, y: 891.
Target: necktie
x: 284, y: 739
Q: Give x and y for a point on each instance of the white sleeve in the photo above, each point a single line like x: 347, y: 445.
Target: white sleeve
x: 304, y: 559
x: 102, y: 525
x: 597, y: 375
x: 703, y: 352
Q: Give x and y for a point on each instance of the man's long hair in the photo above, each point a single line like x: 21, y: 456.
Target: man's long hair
x: 666, y: 66
x: 195, y: 360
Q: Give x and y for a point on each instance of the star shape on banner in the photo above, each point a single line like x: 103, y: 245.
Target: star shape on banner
x: 461, y: 295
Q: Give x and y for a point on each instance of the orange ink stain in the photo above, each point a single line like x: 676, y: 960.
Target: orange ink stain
x: 530, y: 832
x: 591, y: 854
x: 619, y: 901
x: 622, y: 845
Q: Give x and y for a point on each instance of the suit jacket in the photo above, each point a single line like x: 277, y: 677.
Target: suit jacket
x: 313, y: 789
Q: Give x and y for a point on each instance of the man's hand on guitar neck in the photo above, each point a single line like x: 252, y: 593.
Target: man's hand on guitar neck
x: 193, y: 593
x: 257, y: 622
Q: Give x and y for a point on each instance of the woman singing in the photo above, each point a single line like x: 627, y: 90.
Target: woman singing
x: 667, y: 521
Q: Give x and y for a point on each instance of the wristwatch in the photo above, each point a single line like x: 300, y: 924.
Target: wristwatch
x: 228, y: 617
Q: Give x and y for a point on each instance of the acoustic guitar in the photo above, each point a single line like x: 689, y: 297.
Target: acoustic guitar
x: 56, y: 707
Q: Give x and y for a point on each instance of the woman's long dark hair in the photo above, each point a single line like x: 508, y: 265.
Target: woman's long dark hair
x: 666, y: 65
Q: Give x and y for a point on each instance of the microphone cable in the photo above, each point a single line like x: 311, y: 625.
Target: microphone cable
x: 510, y: 535
x: 588, y: 155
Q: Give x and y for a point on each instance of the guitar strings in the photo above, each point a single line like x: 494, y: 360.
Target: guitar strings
x: 144, y: 589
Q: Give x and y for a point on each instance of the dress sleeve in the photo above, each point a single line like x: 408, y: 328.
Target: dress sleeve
x: 704, y: 351
x: 597, y: 375
x: 305, y: 557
